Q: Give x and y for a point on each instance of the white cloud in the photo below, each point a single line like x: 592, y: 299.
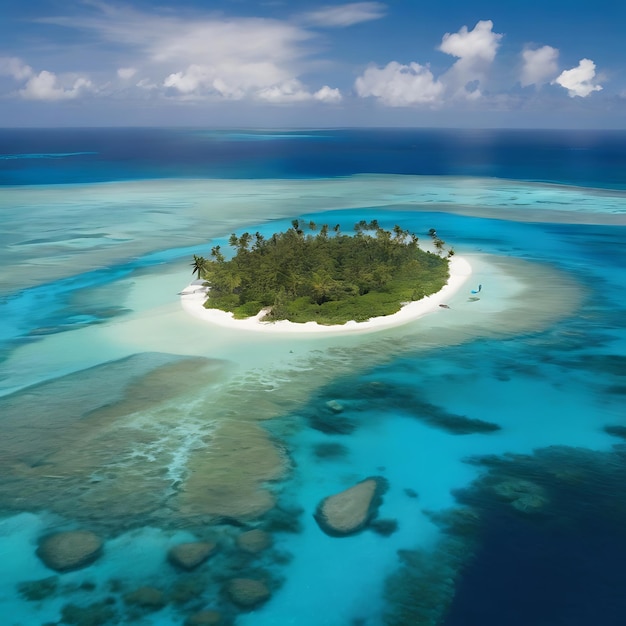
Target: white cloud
x: 46, y: 86
x: 228, y: 81
x: 12, y: 66
x: 289, y: 91
x: 294, y: 91
x: 414, y: 84
x: 579, y: 80
x: 200, y: 57
x: 126, y: 73
x: 146, y: 83
x: 479, y: 43
x: 346, y: 14
x: 475, y: 49
x: 189, y: 80
x: 400, y: 85
x: 327, y: 94
x: 540, y: 66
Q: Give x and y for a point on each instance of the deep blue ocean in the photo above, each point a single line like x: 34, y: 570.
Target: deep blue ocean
x: 499, y: 424
x: 61, y: 156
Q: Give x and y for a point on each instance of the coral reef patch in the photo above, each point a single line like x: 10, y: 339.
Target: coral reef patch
x: 70, y: 550
x: 351, y: 510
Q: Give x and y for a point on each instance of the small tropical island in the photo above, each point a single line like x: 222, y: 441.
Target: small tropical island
x: 322, y: 275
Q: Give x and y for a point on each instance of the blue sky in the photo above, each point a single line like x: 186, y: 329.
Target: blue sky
x: 453, y: 63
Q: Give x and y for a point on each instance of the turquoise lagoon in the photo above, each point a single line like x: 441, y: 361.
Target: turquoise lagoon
x: 123, y: 415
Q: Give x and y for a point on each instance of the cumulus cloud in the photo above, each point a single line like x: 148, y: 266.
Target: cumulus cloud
x: 400, y: 85
x: 579, y: 80
x: 294, y: 91
x: 539, y: 65
x: 12, y: 66
x: 346, y: 14
x: 328, y: 94
x: 211, y: 57
x: 475, y: 49
x: 479, y: 43
x: 189, y: 80
x: 289, y: 91
x: 414, y: 84
x: 234, y: 82
x: 46, y: 86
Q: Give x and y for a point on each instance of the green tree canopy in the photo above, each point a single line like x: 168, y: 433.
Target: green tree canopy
x: 328, y: 277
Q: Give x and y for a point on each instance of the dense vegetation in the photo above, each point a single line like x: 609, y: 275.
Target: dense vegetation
x: 323, y: 275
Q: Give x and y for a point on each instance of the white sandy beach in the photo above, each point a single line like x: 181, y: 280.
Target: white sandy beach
x: 194, y: 295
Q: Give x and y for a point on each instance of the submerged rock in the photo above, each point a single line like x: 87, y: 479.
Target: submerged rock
x: 254, y: 541
x: 204, y: 618
x: 330, y: 450
x: 616, y: 431
x: 231, y: 481
x: 147, y: 598
x: 188, y: 556
x: 331, y: 423
x: 351, y: 510
x: 523, y: 495
x: 247, y: 592
x: 334, y: 406
x: 384, y: 527
x: 36, y: 590
x: 70, y: 550
x: 284, y: 518
x: 450, y: 422
x: 96, y: 614
x: 186, y: 589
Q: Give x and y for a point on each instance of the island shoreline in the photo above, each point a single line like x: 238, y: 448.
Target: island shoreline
x: 192, y: 300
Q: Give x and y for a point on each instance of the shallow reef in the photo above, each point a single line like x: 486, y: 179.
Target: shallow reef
x: 536, y: 539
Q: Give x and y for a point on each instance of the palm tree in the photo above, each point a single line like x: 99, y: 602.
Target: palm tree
x: 321, y: 285
x: 258, y: 240
x: 244, y: 242
x: 216, y: 254
x: 199, y: 265
x: 296, y: 227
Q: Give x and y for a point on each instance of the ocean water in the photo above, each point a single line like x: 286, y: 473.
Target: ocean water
x: 498, y: 423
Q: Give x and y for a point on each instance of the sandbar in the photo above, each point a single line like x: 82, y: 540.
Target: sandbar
x: 194, y: 295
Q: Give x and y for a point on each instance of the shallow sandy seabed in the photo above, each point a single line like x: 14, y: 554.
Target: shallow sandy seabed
x: 182, y: 452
